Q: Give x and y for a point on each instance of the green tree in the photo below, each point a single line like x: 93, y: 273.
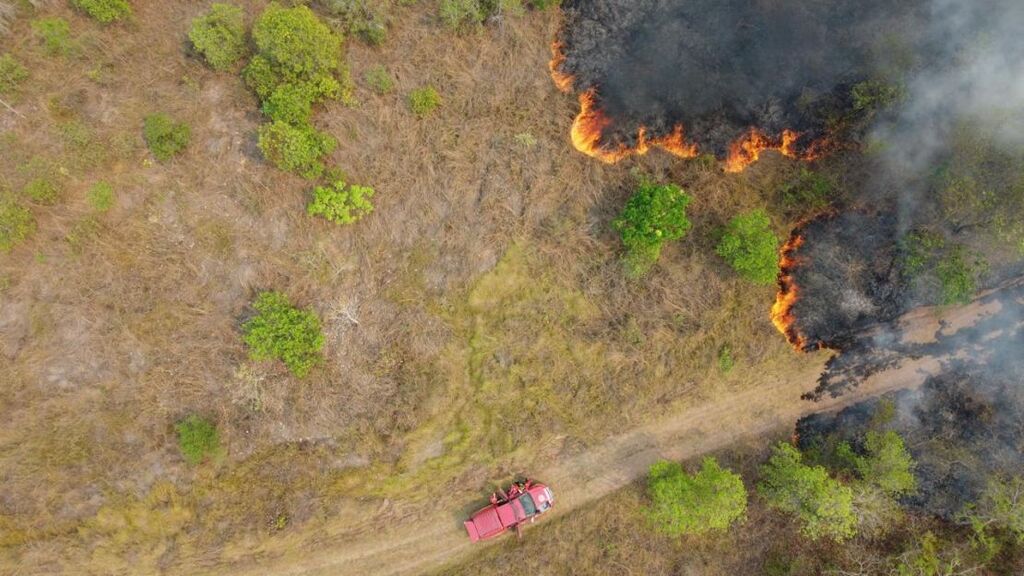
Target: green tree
x: 105, y: 11
x: 165, y: 137
x: 711, y: 499
x: 282, y: 331
x: 653, y: 215
x: 219, y: 35
x: 751, y: 247
x: 1000, y: 507
x: 294, y: 47
x: 197, y: 438
x: 887, y: 464
x: 958, y: 276
x: 822, y: 504
x: 341, y: 203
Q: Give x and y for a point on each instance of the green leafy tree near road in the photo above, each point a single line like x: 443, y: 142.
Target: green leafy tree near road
x: 750, y: 246
x: 283, y: 331
x: 823, y: 505
x: 711, y: 499
x: 653, y: 215
x: 887, y: 464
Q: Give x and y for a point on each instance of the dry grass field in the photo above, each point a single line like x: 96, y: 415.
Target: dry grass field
x: 477, y: 322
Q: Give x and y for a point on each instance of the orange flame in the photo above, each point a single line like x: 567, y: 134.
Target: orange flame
x: 562, y: 80
x: 747, y: 150
x: 589, y: 126
x: 789, y: 293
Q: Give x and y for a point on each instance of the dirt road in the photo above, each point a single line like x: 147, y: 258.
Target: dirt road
x: 426, y: 543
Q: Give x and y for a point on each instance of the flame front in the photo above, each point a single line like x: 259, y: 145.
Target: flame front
x: 588, y: 131
x: 789, y: 293
x: 747, y: 150
x: 562, y: 80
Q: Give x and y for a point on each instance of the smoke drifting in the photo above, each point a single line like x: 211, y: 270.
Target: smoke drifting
x: 719, y: 68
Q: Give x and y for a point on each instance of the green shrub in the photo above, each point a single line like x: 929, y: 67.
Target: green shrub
x: 198, y: 439
x: 341, y: 203
x: 165, y: 137
x: 219, y: 35
x: 379, y: 80
x: 653, y: 215
x: 822, y: 504
x: 55, y: 34
x: 16, y: 224
x: 423, y: 101
x: 1001, y: 507
x: 104, y: 11
x: 42, y: 190
x: 12, y: 73
x: 710, y: 500
x: 750, y: 246
x: 289, y: 103
x: 871, y: 96
x: 544, y: 4
x: 101, y: 196
x: 282, y: 331
x: 299, y: 149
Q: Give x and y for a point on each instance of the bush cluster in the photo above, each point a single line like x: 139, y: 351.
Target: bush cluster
x: 751, y: 247
x: 197, y: 438
x: 379, y: 80
x: 341, y: 203
x: 653, y: 215
x: 359, y: 18
x: 296, y: 65
x: 467, y: 14
x: 105, y: 11
x: 219, y: 35
x: 281, y: 331
x: 165, y: 137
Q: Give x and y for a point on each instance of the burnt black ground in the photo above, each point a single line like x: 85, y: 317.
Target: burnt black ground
x: 720, y: 67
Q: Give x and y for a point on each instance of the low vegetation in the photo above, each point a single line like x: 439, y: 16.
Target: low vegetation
x: 42, y: 191
x: 105, y: 11
x: 750, y: 246
x: 198, y: 439
x: 711, y: 499
x: 165, y: 137
x: 653, y: 215
x: 423, y: 101
x: 12, y: 73
x: 219, y: 35
x: 379, y: 80
x: 101, y: 196
x: 281, y: 331
x: 54, y: 34
x: 16, y: 223
x: 341, y: 203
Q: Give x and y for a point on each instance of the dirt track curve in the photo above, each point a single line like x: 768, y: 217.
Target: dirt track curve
x: 424, y: 544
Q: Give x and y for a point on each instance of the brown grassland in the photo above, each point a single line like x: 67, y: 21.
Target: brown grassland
x: 478, y: 322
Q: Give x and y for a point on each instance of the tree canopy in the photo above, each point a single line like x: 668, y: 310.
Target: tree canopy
x: 711, y: 499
